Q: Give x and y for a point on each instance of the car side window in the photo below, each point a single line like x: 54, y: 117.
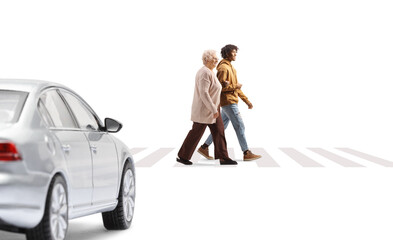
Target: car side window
x: 83, y: 115
x: 45, y: 115
x: 56, y: 109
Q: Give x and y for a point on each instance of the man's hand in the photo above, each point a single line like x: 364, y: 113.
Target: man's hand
x: 216, y: 115
x: 250, y: 106
x: 238, y: 86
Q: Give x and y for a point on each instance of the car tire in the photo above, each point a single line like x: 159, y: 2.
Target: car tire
x: 120, y: 218
x: 54, y: 223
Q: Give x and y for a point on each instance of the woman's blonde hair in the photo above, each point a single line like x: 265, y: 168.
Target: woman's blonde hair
x: 208, y: 55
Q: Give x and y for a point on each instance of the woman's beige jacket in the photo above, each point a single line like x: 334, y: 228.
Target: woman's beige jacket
x: 206, y: 96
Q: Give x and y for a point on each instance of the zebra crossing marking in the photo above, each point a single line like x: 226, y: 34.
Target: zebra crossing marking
x: 266, y: 160
x: 335, y: 158
x: 285, y: 157
x: 153, y: 158
x: 368, y: 157
x: 300, y: 158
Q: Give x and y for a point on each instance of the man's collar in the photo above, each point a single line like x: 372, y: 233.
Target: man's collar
x: 226, y: 60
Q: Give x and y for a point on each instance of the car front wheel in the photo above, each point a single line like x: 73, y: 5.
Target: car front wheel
x: 120, y: 218
x: 54, y: 223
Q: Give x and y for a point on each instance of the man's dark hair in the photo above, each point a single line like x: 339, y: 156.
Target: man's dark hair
x: 225, y: 51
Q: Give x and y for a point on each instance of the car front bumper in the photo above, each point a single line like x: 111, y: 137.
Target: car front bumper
x: 22, y: 199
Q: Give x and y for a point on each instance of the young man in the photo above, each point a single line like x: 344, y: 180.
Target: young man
x: 231, y: 91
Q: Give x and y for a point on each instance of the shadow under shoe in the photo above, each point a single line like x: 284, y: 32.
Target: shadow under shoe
x: 227, y: 162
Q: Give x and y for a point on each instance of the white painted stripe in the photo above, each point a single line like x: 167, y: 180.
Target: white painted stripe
x: 266, y: 160
x: 335, y: 158
x: 367, y: 157
x: 300, y: 158
x: 154, y: 157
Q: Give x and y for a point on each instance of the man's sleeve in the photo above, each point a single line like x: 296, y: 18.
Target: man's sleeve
x: 222, y: 76
x: 242, y: 96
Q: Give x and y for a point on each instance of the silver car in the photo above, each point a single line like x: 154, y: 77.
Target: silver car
x: 59, y: 162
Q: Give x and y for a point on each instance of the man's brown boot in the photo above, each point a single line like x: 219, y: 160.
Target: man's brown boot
x: 204, y: 151
x: 248, y: 156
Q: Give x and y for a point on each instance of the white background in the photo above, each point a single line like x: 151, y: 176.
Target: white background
x: 317, y: 72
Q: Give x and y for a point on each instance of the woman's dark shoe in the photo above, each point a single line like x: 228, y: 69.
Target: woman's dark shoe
x: 227, y: 162
x: 184, y: 161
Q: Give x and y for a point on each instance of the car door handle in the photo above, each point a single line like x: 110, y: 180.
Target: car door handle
x: 66, y: 148
x: 93, y: 148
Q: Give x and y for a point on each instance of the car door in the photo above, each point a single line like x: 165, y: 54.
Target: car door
x: 74, y: 145
x: 103, y: 150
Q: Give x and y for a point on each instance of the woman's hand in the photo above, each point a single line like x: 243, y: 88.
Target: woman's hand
x: 216, y: 115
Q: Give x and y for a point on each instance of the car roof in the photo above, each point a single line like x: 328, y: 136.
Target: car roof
x: 34, y: 88
x: 26, y: 85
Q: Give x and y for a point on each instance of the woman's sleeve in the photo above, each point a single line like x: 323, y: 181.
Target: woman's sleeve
x: 204, y: 87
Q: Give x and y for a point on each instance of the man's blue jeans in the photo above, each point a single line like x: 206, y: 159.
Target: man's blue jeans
x: 231, y: 113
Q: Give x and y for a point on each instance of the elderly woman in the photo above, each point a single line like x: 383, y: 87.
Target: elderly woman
x: 205, y: 113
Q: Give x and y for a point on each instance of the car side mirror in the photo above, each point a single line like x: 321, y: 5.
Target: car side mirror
x: 111, y: 125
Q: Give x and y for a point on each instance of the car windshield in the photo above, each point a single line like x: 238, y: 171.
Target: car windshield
x: 11, y: 105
